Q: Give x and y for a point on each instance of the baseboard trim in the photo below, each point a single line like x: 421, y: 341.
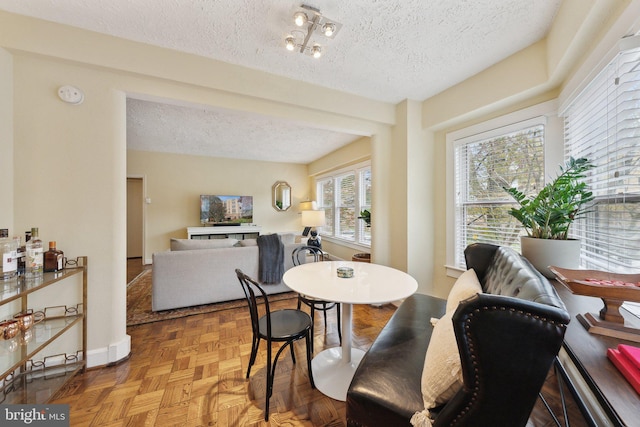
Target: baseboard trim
x: 109, y: 355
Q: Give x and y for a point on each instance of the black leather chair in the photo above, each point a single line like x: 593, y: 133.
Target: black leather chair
x: 285, y: 326
x: 315, y: 304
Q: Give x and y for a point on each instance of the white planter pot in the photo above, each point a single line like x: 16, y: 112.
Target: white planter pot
x: 545, y: 252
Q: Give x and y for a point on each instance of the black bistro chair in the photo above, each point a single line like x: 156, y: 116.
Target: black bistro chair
x: 285, y: 326
x: 315, y: 304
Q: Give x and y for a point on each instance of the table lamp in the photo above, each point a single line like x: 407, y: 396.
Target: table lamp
x: 310, y: 220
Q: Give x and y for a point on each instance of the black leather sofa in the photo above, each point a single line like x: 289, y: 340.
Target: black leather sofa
x: 507, y: 337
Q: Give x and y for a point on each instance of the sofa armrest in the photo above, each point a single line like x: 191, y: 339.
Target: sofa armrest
x: 502, y: 372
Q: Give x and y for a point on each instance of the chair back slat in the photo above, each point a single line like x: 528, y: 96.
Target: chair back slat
x: 299, y: 254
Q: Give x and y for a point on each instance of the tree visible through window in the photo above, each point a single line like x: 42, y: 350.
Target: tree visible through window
x: 343, y: 196
x: 484, y: 166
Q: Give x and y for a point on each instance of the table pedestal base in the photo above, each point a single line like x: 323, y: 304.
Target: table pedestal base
x: 332, y: 375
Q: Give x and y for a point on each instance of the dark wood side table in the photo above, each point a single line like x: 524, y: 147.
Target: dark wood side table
x: 605, y: 396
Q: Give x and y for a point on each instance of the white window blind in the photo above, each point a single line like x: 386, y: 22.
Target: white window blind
x: 346, y: 206
x: 603, y: 124
x: 485, y: 164
x: 365, y: 203
x: 343, y: 195
x: 324, y: 190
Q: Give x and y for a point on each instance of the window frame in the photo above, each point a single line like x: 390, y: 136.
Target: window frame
x: 545, y: 112
x: 332, y: 232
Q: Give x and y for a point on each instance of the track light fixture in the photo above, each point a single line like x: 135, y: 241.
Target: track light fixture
x: 310, y: 22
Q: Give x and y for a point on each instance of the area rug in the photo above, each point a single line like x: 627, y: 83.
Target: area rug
x: 139, y: 303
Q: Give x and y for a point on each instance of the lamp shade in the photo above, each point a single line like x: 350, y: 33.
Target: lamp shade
x: 308, y: 206
x: 313, y: 218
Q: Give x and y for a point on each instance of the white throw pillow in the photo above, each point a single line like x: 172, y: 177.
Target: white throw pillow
x: 249, y: 242
x: 189, y: 244
x: 465, y: 287
x: 442, y: 371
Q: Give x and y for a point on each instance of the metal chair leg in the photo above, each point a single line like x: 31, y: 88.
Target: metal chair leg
x: 313, y: 312
x: 293, y: 355
x: 309, y: 340
x: 254, y: 353
x: 338, y: 310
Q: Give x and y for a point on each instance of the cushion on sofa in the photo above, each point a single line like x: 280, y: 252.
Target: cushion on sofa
x: 465, y: 287
x: 288, y: 238
x: 442, y: 371
x: 248, y: 242
x: 189, y: 244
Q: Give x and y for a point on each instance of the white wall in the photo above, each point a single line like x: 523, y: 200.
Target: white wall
x: 70, y: 183
x: 6, y: 140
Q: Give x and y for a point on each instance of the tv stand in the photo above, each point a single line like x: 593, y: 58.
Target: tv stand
x: 239, y: 232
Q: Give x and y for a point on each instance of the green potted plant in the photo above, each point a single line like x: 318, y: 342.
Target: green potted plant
x: 548, y: 215
x: 366, y: 216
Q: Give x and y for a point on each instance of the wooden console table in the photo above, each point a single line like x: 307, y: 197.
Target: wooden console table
x: 233, y: 231
x: 605, y: 396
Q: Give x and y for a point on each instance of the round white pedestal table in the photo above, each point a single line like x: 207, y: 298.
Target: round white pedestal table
x: 333, y: 368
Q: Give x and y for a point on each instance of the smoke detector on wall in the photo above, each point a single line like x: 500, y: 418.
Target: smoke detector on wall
x: 71, y: 94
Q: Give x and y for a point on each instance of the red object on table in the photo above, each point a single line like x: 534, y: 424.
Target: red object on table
x: 632, y: 353
x: 625, y: 365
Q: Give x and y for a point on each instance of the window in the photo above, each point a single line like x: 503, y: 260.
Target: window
x: 510, y: 150
x: 343, y: 195
x: 603, y: 124
x: 486, y: 163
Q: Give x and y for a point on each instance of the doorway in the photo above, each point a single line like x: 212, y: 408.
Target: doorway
x: 135, y: 218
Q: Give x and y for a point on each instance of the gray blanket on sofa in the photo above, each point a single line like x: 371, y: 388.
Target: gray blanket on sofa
x: 270, y: 259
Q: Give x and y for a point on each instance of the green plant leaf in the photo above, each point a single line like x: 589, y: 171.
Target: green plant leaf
x: 550, y: 213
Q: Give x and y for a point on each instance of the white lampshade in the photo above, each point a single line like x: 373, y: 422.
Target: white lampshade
x: 308, y: 206
x: 313, y: 218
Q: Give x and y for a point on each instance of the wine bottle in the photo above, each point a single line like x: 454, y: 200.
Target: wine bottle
x: 34, y: 261
x: 21, y: 252
x: 9, y: 250
x: 53, y: 259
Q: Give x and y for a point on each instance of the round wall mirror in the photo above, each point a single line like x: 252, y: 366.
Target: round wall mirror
x: 281, y: 196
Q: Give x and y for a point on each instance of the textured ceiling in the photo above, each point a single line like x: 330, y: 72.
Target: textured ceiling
x: 387, y: 50
x: 222, y: 133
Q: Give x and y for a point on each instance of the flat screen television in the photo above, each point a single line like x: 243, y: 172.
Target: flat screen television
x: 226, y: 210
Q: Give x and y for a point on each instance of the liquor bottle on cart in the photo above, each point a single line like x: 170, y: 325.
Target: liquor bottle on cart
x: 34, y: 261
x: 9, y: 252
x: 21, y: 252
x: 53, y: 259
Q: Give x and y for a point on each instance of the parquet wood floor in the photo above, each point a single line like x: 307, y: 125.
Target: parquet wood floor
x: 191, y: 372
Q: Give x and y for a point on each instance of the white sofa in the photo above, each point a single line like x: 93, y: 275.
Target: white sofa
x: 185, y: 277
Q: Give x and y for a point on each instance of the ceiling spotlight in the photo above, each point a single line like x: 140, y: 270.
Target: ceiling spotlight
x: 300, y: 18
x: 316, y: 51
x: 328, y: 29
x: 290, y: 43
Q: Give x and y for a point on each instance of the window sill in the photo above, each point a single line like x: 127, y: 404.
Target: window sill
x: 453, y: 271
x: 346, y: 243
